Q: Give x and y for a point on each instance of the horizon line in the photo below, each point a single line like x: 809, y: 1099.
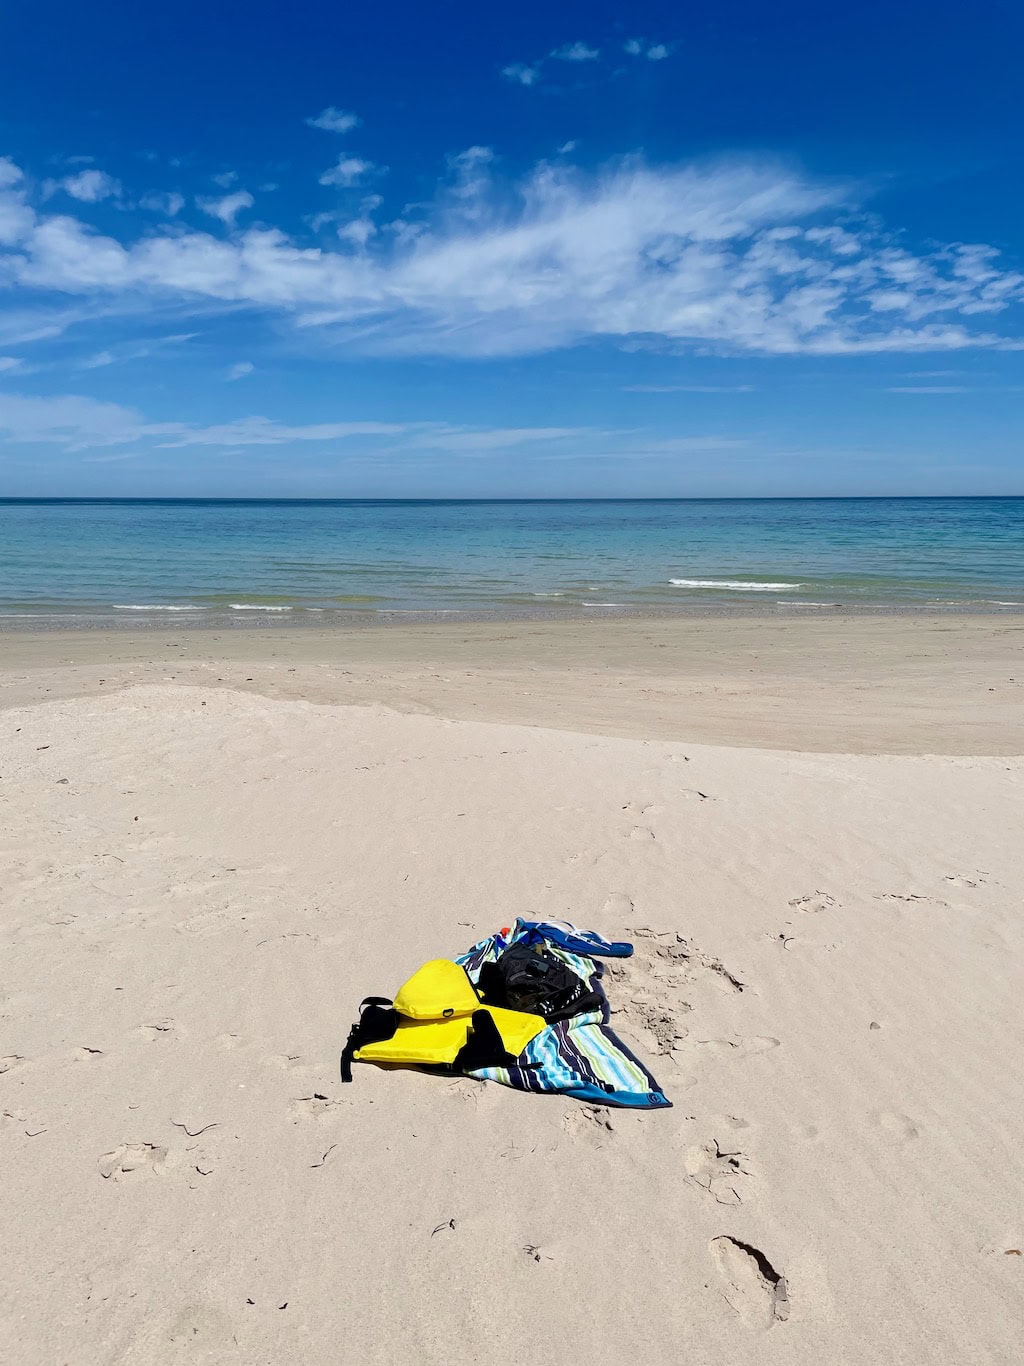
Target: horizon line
x: 576, y: 498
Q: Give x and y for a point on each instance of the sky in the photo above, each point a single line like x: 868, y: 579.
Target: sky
x: 459, y: 250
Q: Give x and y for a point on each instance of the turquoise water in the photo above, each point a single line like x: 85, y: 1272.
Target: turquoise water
x: 193, y: 561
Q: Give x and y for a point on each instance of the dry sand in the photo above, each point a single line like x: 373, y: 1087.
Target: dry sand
x: 203, y: 875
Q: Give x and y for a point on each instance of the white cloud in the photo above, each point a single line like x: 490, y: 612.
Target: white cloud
x: 568, y: 147
x: 576, y: 52
x: 333, y: 120
x: 9, y: 363
x: 78, y: 423
x: 522, y: 73
x: 240, y: 369
x: 263, y: 431
x: 529, y: 73
x: 640, y: 47
x: 495, y: 438
x: 226, y: 179
x: 170, y: 204
x: 688, y: 388
x: 228, y: 208
x: 130, y: 351
x: 358, y: 231
x: 75, y: 423
x: 10, y: 174
x: 68, y: 420
x: 730, y: 257
x: 90, y: 186
x: 348, y: 172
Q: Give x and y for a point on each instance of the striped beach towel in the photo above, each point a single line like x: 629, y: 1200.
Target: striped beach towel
x: 580, y: 1057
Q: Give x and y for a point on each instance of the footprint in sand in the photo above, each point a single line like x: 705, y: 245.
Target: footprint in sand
x: 813, y: 902
x: 590, y: 1120
x: 738, y: 1047
x: 158, y: 1029
x: 313, y: 1107
x: 619, y: 905
x: 84, y: 1054
x: 230, y: 1042
x: 641, y: 832
x: 750, y: 1284
x: 911, y: 897
x: 899, y: 1125
x: 659, y: 1022
x: 285, y: 1061
x: 9, y: 1063
x: 720, y: 1172
x: 202, y: 1326
x: 130, y: 1158
x: 966, y: 879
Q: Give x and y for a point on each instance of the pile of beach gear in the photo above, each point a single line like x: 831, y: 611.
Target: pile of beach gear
x: 524, y: 1007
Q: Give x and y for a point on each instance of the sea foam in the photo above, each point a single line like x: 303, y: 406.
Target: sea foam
x: 735, y: 585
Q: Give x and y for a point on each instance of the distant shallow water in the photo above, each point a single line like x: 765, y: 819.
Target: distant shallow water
x: 197, y: 562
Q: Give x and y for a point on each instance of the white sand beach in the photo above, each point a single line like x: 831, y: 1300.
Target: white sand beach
x: 213, y: 849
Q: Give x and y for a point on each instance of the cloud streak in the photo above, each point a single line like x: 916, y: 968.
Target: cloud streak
x: 89, y: 187
x: 333, y: 120
x: 732, y: 257
x: 348, y: 172
x: 228, y: 207
x: 75, y: 423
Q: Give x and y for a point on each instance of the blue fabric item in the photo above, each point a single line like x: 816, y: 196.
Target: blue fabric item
x: 581, y: 1056
x: 566, y: 936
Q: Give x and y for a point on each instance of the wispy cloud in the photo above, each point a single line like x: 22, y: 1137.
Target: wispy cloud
x: 123, y: 352
x: 9, y: 363
x: 927, y: 389
x: 980, y: 389
x: 227, y: 208
x: 225, y: 179
x: 529, y: 73
x: 239, y: 370
x: 522, y: 73
x: 730, y: 257
x: 349, y: 171
x: 97, y: 361
x: 156, y: 201
x: 263, y: 431
x: 89, y: 187
x: 576, y: 52
x: 68, y: 420
x: 641, y: 47
x: 333, y: 120
x: 688, y: 388
x: 75, y: 423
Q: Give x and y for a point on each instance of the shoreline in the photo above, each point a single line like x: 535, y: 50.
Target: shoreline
x: 281, y: 617
x: 824, y: 683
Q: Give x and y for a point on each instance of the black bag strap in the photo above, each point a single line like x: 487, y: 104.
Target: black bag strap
x: 378, y: 1020
x: 484, y: 1047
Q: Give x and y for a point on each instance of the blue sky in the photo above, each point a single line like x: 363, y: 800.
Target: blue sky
x: 454, y: 250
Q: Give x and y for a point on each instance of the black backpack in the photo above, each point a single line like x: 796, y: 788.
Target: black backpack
x: 530, y: 977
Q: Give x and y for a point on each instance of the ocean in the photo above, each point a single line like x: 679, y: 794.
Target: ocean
x: 75, y: 562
